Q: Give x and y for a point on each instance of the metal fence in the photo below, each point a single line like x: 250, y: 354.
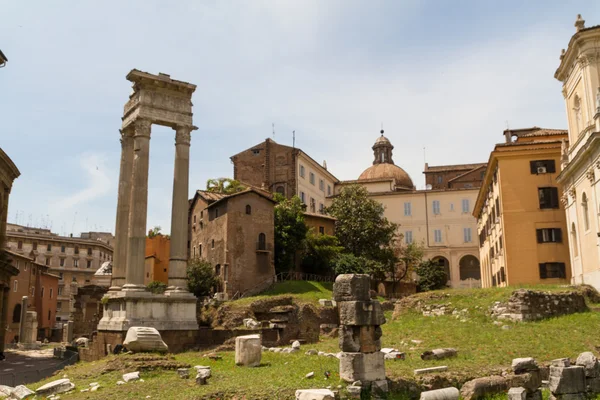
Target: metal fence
x: 33, y: 375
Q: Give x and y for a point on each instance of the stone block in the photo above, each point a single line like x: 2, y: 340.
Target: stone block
x: 55, y: 387
x: 364, y: 339
x: 5, y: 391
x: 361, y: 313
x: 202, y: 376
x: 439, y: 354
x: 315, y: 394
x: 365, y: 367
x: 592, y: 385
x: 140, y: 339
x: 561, y: 362
x: 326, y: 303
x: 484, y: 387
x: 567, y: 380
x: 517, y: 393
x: 531, y: 380
x: 184, y: 373
x: 588, y: 361
x: 132, y: 376
x: 248, y: 350
x: 21, y: 392
x: 520, y: 365
x: 380, y: 388
x: 352, y: 287
x: 450, y: 393
x: 421, y: 371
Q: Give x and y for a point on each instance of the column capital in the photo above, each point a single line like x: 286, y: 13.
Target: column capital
x: 142, y: 127
x: 183, y: 134
x: 126, y: 133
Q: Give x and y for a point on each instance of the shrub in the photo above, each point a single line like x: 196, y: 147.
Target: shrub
x: 201, y: 277
x: 157, y: 287
x: 432, y: 276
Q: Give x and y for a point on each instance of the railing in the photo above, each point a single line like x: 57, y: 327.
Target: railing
x: 33, y: 375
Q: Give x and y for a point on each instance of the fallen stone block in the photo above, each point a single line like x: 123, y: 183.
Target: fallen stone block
x: 588, y: 361
x: 365, y: 367
x: 450, y: 393
x: 395, y: 355
x: 55, y: 387
x: 311, y: 352
x: 361, y: 313
x: 386, y: 350
x: 439, y: 354
x: 94, y: 388
x: 202, y: 376
x: 21, y: 392
x: 422, y: 371
x: 531, y: 380
x: 352, y: 287
x: 5, y: 390
x: 184, y: 373
x: 248, y: 350
x: 520, y: 365
x: 567, y: 380
x: 140, y: 339
x: 132, y: 376
x: 517, y: 393
x: 484, y: 387
x: 315, y: 394
x: 296, y: 345
x: 363, y: 339
x: 561, y: 362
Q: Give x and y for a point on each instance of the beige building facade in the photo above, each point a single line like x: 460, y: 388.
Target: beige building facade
x: 579, y: 73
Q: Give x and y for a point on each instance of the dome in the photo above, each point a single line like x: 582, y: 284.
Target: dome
x: 387, y: 171
x: 382, y: 139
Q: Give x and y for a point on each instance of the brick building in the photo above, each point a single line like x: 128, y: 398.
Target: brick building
x: 236, y: 234
x: 461, y: 176
x: 74, y: 260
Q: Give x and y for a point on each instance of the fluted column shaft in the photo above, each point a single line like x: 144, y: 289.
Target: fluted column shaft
x: 123, y: 207
x: 138, y: 207
x: 179, y: 213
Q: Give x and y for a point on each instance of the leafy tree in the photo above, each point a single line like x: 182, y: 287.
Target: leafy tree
x: 201, y: 277
x: 224, y: 186
x: 155, y: 231
x: 156, y: 287
x: 320, y: 252
x: 290, y: 231
x: 361, y: 226
x: 432, y: 276
x: 348, y: 263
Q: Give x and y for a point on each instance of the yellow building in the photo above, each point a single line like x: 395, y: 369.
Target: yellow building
x: 579, y: 72
x: 439, y: 219
x: 520, y: 219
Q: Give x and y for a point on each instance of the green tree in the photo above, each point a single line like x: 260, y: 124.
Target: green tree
x: 361, y: 226
x: 156, y: 287
x: 201, y: 277
x: 348, y: 263
x: 320, y: 252
x: 432, y: 276
x: 155, y: 231
x: 290, y: 231
x: 224, y: 186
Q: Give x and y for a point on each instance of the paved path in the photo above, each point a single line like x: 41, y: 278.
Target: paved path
x: 19, y: 369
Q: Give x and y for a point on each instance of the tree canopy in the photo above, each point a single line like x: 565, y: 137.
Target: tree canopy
x: 224, y: 186
x: 201, y: 277
x: 290, y: 231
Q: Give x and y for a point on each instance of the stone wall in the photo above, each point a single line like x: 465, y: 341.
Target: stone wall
x: 532, y: 305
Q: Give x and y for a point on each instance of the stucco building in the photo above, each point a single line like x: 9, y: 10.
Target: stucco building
x: 157, y: 259
x: 236, y: 234
x: 74, y: 260
x: 440, y: 219
x: 579, y: 72
x: 520, y: 221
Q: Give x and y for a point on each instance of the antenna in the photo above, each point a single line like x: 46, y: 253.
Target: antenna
x: 294, y: 139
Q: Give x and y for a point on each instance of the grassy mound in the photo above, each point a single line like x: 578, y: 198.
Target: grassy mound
x: 301, y: 291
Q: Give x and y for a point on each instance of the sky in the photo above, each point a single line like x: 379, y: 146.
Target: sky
x: 444, y: 78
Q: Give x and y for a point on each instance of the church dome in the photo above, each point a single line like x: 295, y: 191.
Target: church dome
x: 383, y: 165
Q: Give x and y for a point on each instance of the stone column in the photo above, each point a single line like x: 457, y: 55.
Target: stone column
x: 134, y: 274
x: 3, y: 322
x: 123, y: 206
x: 179, y: 213
x: 23, y: 315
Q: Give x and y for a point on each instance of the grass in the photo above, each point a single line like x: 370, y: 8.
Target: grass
x: 484, y: 348
x: 301, y: 291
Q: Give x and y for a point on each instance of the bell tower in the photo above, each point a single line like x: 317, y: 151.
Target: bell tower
x: 382, y: 150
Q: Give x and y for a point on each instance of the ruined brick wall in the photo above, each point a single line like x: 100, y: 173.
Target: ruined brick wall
x: 532, y: 305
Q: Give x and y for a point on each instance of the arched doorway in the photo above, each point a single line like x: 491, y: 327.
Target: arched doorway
x: 469, y: 268
x: 443, y: 261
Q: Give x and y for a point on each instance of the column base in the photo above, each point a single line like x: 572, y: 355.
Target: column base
x: 131, y: 287
x: 127, y: 308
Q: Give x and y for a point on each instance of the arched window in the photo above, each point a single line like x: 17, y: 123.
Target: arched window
x: 574, y: 240
x: 280, y: 190
x: 248, y: 209
x: 17, y: 313
x: 584, y: 208
x: 262, y: 241
x: 469, y: 268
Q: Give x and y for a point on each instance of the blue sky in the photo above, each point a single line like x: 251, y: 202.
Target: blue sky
x: 445, y: 75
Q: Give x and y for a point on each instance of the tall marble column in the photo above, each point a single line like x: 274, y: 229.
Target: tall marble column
x: 138, y: 207
x: 179, y: 213
x: 123, y: 207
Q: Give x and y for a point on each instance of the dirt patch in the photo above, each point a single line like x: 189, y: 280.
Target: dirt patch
x: 229, y: 317
x: 143, y: 362
x: 265, y: 305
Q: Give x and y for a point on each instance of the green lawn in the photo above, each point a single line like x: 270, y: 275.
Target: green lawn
x: 484, y: 348
x: 301, y: 291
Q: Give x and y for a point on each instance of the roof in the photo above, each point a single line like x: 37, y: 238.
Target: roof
x: 467, y: 172
x: 567, y: 57
x: 456, y: 167
x: 535, y: 131
x: 387, y: 171
x: 251, y: 189
x: 317, y: 215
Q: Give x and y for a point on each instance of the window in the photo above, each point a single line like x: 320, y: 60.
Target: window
x: 212, y: 245
x: 26, y: 263
x: 47, y: 260
x: 311, y: 178
x: 313, y: 205
x: 62, y: 249
x: 322, y: 230
x: 437, y: 234
x: 15, y: 285
x: 248, y: 209
x: 321, y: 185
x: 436, y: 207
x: 42, y: 293
x: 201, y: 214
x: 90, y: 251
x: 584, y: 210
x: 225, y: 272
x: 60, y: 291
x: 302, y: 198
x: 262, y: 241
x: 58, y: 305
x: 440, y: 179
x: 89, y: 263
x: 408, y: 237
x: 194, y: 219
x: 255, y: 152
x: 217, y: 269
x: 48, y: 315
x: 51, y: 292
x: 75, y: 262
x: 467, y: 235
x: 17, y: 264
x: 76, y: 250
x: 498, y: 206
x: 49, y: 247
x: 200, y: 250
x: 302, y: 171
x: 216, y: 212
x: 34, y: 245
x: 20, y: 244
x: 328, y: 190
x: 321, y: 208
x: 407, y: 209
x: 32, y: 291
x: 465, y: 205
x: 194, y: 251
x: 542, y: 167
x: 552, y: 270
x: 62, y: 262
x: 280, y: 190
x: 548, y: 197
x: 549, y: 235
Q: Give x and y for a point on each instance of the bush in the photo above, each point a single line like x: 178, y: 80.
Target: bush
x: 432, y: 276
x: 348, y: 263
x: 157, y: 287
x: 201, y: 277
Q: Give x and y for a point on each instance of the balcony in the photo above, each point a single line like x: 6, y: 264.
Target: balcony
x: 262, y: 247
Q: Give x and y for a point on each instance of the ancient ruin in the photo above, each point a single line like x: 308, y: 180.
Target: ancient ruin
x: 156, y: 99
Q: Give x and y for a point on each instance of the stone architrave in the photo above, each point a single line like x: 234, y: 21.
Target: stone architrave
x: 141, y: 339
x: 248, y: 350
